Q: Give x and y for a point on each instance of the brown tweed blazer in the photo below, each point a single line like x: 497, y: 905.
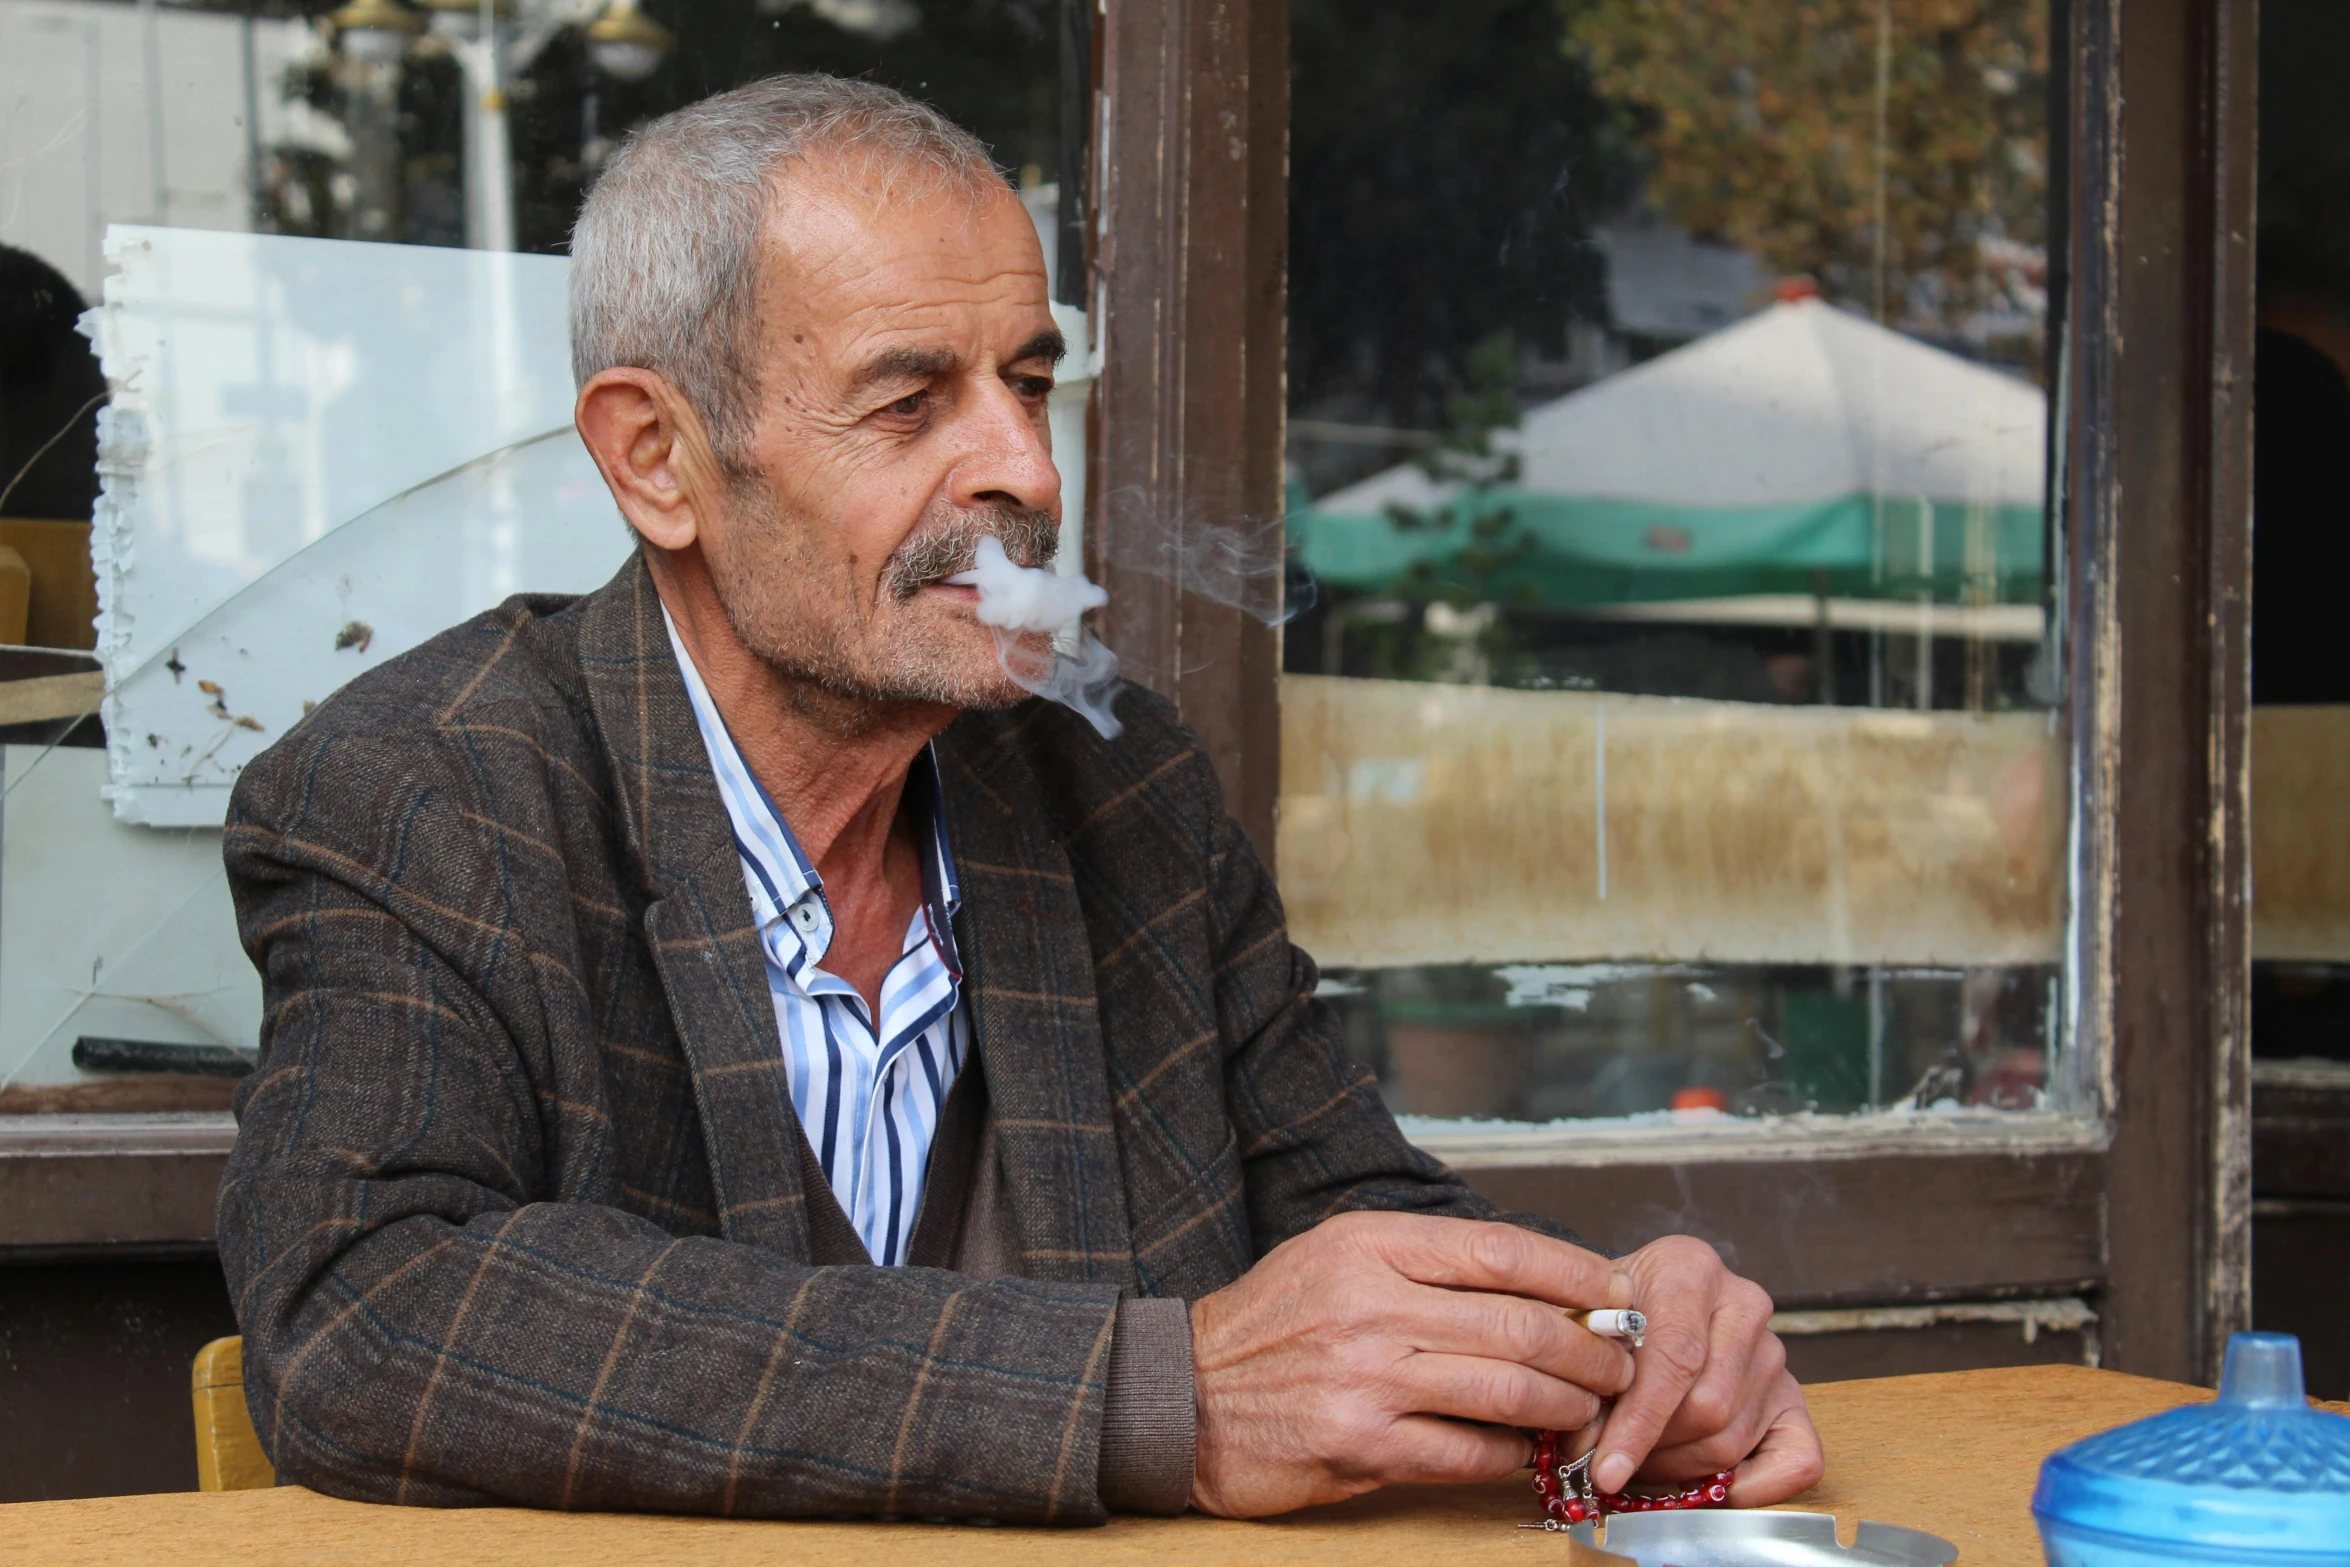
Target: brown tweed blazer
x: 516, y: 1211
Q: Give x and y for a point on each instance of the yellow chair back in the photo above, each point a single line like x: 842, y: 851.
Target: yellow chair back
x: 228, y: 1453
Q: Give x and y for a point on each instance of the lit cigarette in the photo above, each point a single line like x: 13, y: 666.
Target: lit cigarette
x: 1631, y: 1325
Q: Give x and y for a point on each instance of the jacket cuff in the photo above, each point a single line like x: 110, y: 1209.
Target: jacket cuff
x: 1150, y: 1418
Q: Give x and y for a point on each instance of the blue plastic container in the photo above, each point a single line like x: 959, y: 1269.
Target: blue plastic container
x: 2254, y: 1479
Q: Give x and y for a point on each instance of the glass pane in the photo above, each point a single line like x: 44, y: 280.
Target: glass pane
x: 2300, y: 685
x: 321, y: 412
x: 2301, y: 689
x: 1675, y: 729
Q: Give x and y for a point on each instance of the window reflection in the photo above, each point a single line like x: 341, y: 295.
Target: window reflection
x: 2300, y: 684
x: 2300, y: 992
x: 457, y: 133
x: 332, y: 414
x: 1540, y: 1042
x: 1668, y: 382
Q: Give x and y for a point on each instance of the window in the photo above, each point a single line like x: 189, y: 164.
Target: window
x: 2301, y: 721
x: 1676, y: 731
x: 1918, y: 799
x: 288, y: 391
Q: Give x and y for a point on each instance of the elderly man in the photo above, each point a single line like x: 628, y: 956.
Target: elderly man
x: 727, y: 1051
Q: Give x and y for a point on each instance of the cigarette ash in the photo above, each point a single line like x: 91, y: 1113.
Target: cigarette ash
x: 1027, y: 604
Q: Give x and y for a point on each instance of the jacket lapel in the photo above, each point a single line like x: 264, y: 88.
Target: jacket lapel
x: 1028, y: 967
x: 699, y: 924
x: 1028, y: 979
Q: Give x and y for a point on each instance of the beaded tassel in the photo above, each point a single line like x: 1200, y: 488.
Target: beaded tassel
x: 1564, y: 1488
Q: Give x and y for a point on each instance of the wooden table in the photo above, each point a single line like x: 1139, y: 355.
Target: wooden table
x: 1955, y: 1454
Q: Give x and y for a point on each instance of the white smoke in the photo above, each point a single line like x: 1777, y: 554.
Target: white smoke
x: 1024, y: 598
x: 1022, y: 601
x: 1240, y: 563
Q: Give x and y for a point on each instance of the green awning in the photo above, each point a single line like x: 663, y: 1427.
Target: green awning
x: 1556, y: 551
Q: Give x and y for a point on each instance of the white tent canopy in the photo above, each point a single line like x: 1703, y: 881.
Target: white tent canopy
x: 1800, y: 403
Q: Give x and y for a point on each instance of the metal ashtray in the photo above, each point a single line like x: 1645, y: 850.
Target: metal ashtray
x: 1754, y: 1539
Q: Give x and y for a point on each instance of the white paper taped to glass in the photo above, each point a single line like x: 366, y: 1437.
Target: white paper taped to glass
x: 319, y: 453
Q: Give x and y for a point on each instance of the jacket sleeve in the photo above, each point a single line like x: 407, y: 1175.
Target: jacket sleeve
x: 429, y: 1319
x: 1315, y: 1137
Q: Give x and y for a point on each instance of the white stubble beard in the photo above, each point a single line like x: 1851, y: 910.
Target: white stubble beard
x: 891, y: 653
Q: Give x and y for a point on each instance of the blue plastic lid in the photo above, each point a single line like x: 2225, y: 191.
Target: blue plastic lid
x: 2257, y: 1469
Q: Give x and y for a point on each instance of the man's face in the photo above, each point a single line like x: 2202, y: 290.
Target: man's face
x: 904, y: 352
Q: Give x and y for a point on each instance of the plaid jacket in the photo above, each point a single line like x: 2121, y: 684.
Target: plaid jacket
x: 516, y: 1211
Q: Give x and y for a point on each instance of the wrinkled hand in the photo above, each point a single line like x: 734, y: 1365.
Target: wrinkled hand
x: 1328, y: 1369
x: 1710, y: 1387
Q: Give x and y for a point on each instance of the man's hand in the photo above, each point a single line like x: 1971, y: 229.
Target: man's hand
x: 1330, y: 1368
x: 1710, y: 1388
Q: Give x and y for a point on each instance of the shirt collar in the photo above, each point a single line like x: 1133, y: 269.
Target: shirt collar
x: 780, y: 872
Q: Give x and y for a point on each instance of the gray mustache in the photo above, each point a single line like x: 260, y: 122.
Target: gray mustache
x: 940, y: 550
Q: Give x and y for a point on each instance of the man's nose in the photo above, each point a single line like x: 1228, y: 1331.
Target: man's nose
x: 1006, y: 460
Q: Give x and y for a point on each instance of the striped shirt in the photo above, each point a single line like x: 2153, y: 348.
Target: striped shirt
x: 868, y: 1094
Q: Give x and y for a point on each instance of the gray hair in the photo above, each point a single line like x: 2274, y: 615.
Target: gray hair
x: 665, y: 256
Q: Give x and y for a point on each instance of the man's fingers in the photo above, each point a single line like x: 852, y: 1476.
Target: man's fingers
x: 1501, y: 1258
x: 1788, y: 1462
x: 1499, y: 1392
x: 1680, y: 1313
x: 1584, y: 1438
x: 1723, y: 1418
x: 1743, y: 1364
x: 1509, y: 1327
x: 1429, y: 1449
x: 1724, y: 1449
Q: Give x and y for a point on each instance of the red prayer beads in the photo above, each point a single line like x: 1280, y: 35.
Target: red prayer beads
x: 1564, y: 1488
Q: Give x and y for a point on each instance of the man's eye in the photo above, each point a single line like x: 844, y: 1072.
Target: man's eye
x: 909, y: 405
x: 1037, y: 386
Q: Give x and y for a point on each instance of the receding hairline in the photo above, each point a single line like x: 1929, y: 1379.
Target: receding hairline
x: 672, y: 245
x: 830, y: 151
x: 820, y: 175
x: 812, y: 173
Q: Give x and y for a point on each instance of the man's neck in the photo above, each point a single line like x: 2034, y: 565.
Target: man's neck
x: 834, y: 766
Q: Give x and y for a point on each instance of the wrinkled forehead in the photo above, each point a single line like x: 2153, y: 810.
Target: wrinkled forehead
x: 857, y: 245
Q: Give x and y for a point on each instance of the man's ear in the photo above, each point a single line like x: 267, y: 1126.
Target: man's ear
x: 653, y: 452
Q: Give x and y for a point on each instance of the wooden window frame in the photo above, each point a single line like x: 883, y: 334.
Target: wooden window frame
x: 1191, y: 264
x: 2142, y: 1202
x: 2160, y: 432
x: 2142, y: 1205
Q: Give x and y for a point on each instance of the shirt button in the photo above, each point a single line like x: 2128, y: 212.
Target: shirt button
x: 805, y: 916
